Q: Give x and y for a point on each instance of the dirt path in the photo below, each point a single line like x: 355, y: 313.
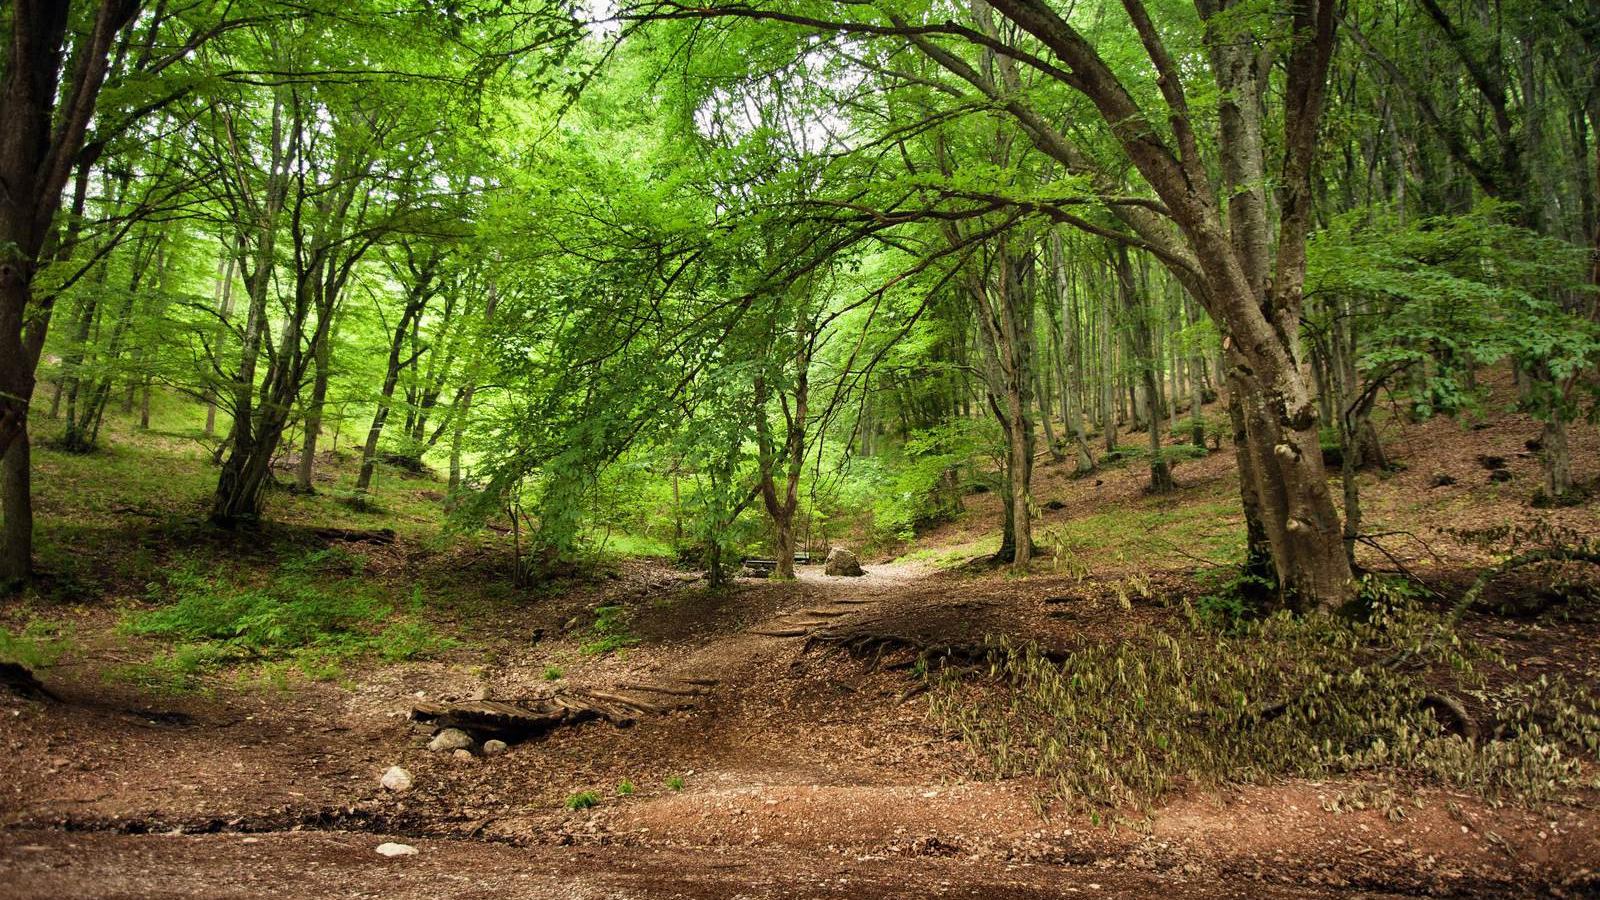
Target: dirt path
x: 799, y: 772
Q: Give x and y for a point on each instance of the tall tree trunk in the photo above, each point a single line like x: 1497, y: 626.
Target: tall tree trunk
x: 16, y: 504
x: 306, y: 469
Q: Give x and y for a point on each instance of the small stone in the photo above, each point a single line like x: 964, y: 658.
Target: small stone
x: 1441, y: 479
x: 842, y: 562
x: 462, y: 754
x: 494, y: 748
x: 450, y: 739
x: 396, y: 779
x: 393, y: 849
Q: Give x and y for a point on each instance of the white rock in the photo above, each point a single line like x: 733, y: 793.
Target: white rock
x: 462, y: 755
x: 396, y: 779
x: 494, y: 748
x: 450, y: 739
x: 842, y: 562
x: 391, y: 849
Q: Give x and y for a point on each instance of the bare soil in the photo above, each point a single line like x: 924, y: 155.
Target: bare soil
x: 808, y: 766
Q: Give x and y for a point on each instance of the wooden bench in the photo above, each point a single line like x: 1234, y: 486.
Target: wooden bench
x: 768, y: 566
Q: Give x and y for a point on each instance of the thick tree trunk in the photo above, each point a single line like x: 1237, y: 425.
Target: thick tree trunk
x: 1556, y: 457
x: 16, y: 505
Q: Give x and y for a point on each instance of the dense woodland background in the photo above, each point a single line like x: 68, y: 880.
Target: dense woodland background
x: 713, y: 282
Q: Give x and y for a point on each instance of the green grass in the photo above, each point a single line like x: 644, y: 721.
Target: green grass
x: 625, y: 788
x: 626, y: 544
x: 1204, y: 530
x: 610, y: 632
x: 951, y: 557
x: 552, y: 673
x: 311, y: 614
x: 36, y: 645
x: 583, y: 800
x: 675, y: 783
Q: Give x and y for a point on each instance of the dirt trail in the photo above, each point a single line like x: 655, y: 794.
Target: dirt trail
x: 802, y: 772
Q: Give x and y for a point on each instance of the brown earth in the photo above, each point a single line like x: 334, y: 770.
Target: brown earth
x: 806, y: 770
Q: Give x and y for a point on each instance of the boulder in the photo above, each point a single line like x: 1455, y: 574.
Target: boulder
x: 393, y: 849
x: 843, y: 562
x: 396, y: 779
x: 494, y: 748
x: 451, y: 739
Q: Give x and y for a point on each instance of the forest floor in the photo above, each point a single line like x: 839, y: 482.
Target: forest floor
x: 789, y: 769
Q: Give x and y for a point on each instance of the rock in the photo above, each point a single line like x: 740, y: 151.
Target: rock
x: 494, y: 748
x: 462, y: 755
x: 1499, y: 476
x: 1441, y: 479
x: 1055, y: 505
x: 396, y: 779
x: 451, y: 739
x: 843, y: 562
x: 393, y: 849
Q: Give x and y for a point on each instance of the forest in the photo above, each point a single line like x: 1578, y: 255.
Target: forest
x: 800, y: 448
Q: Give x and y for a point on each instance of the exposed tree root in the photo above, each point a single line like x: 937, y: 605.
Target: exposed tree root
x: 21, y: 682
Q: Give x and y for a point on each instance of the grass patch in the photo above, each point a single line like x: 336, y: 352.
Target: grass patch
x: 36, y: 645
x: 310, y: 615
x: 583, y: 800
x: 1113, y: 728
x: 610, y: 632
x: 625, y: 788
x: 675, y: 783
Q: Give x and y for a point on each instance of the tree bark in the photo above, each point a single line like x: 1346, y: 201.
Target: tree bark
x: 16, y: 503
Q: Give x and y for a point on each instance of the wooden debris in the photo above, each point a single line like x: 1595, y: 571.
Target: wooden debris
x: 673, y: 690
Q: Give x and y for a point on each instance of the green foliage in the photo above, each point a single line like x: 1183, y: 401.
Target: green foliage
x: 36, y: 645
x: 610, y: 632
x: 582, y: 800
x: 552, y: 673
x: 1234, y: 595
x: 313, y: 611
x: 1445, y: 293
x: 675, y: 782
x: 1119, y: 726
x: 625, y: 788
x: 922, y: 484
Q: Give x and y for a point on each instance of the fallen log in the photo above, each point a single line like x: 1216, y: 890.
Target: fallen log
x: 535, y: 716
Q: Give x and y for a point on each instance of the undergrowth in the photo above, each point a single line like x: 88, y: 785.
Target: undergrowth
x: 312, y: 614
x: 1115, y: 727
x: 610, y: 631
x: 36, y: 645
